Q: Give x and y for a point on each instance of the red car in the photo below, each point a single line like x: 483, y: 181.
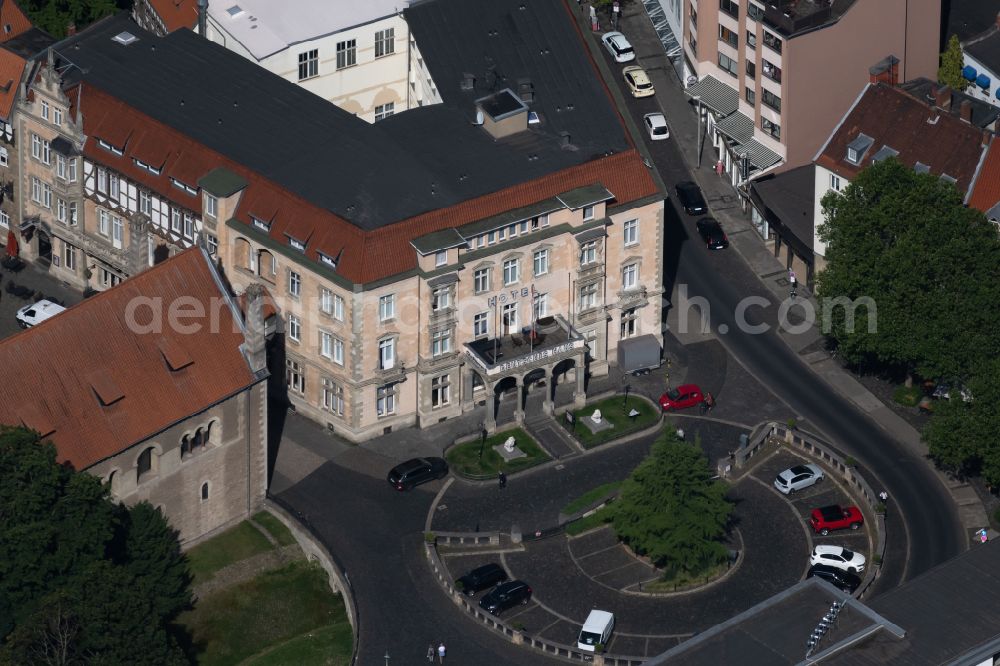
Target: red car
x: 828, y: 518
x: 687, y: 395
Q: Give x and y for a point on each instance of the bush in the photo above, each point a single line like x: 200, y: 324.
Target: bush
x: 908, y: 396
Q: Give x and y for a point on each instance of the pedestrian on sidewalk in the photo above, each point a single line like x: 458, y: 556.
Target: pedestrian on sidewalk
x: 709, y: 402
x: 502, y: 478
x: 441, y: 653
x: 430, y: 652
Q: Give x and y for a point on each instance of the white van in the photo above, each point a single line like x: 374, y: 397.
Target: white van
x: 596, y: 630
x: 32, y: 315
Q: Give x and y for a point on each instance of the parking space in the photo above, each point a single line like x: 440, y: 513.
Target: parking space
x: 34, y: 285
x: 602, y: 558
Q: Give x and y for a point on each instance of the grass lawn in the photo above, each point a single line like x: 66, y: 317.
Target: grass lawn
x: 612, y: 411
x: 330, y: 645
x: 464, y: 458
x: 233, y: 545
x: 590, y: 522
x: 275, y: 527
x: 279, y: 605
x: 589, y: 497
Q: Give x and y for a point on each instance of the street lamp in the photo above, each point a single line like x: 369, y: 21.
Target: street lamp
x: 627, y: 387
x: 482, y: 439
x: 697, y: 98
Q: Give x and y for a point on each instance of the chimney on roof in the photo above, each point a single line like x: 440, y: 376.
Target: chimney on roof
x: 965, y: 110
x: 138, y: 243
x: 254, y: 319
x: 942, y: 98
x: 203, y: 18
x: 885, y: 71
x: 71, y: 29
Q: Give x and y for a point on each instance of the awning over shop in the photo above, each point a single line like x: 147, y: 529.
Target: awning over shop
x: 969, y: 72
x: 983, y: 81
x: 716, y: 95
x: 737, y: 127
x: 759, y: 155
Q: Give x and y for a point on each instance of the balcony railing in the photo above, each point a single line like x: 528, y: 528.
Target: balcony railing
x: 550, y: 339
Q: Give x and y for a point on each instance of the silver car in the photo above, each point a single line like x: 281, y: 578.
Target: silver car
x: 797, y: 478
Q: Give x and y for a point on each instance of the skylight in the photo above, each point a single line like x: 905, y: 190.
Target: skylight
x: 234, y: 11
x: 125, y: 38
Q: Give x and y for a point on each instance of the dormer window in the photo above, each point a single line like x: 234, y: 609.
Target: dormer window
x: 949, y: 179
x: 187, y: 188
x: 856, y: 149
x: 260, y: 224
x: 107, y: 146
x: 148, y: 167
x: 883, y: 153
x: 441, y: 258
x: 329, y: 261
x: 297, y: 244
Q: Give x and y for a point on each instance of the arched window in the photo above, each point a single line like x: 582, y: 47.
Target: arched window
x: 185, y: 446
x: 144, y: 466
x: 208, y: 433
x: 267, y: 266
x: 204, y: 491
x: 198, y: 440
x: 244, y: 254
x: 113, y: 481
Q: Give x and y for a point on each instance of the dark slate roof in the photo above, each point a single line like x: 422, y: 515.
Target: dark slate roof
x: 788, y: 198
x: 986, y: 49
x: 968, y: 18
x: 984, y: 114
x: 30, y: 43
x: 373, y: 175
x: 222, y: 182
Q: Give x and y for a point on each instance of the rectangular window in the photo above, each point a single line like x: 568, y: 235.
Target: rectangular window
x: 751, y: 69
x: 61, y: 167
x: 333, y: 397
x: 46, y: 152
x: 630, y: 276
x: 502, y: 233
x: 509, y: 319
x: 770, y: 99
x: 338, y: 351
x: 383, y: 111
x: 326, y: 301
x: 117, y: 232
x: 36, y: 190
x: 45, y: 110
x: 771, y: 71
x: 326, y: 344
x: 188, y: 226
x: 4, y: 219
x: 4, y: 159
x: 751, y: 39
x: 386, y: 353
x: 103, y: 222
x: 72, y: 213
x: 480, y: 324
x: 113, y: 186
x: 588, y: 213
x: 772, y: 42
x: 36, y: 146
x: 541, y: 262
x: 69, y: 257
x: 440, y: 298
x: 295, y: 376
x: 211, y: 206
x: 108, y: 279
x: 751, y: 95
x: 46, y: 195
x: 728, y: 36
x: 308, y: 64
x: 630, y: 231
x: 102, y: 180
x: 440, y: 342
x: 71, y: 169
x: 338, y: 307
x: 385, y: 400
x: 481, y: 280
x: 213, y: 244
x: 540, y: 306
x: 588, y: 296
x: 347, y: 53
x: 57, y: 116
x: 630, y: 323
x: 440, y: 391
x: 60, y: 210
x: 771, y: 128
x: 175, y: 220
x: 294, y: 284
x: 834, y: 182
x: 511, y: 269
x: 728, y: 64
x: 387, y: 307
x: 385, y: 42
x: 441, y: 258
x: 491, y: 238
x: 588, y: 253
x: 145, y: 204
x: 730, y: 7
x: 755, y: 12
x: 294, y: 328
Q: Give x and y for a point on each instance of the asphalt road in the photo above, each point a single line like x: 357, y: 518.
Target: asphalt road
x: 723, y: 278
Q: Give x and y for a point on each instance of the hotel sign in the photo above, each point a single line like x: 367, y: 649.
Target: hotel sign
x: 508, y: 296
x: 528, y: 359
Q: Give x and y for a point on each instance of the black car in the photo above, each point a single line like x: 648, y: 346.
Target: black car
x: 712, y: 233
x: 689, y: 194
x: 504, y: 596
x: 405, y: 476
x: 842, y: 580
x: 481, y: 578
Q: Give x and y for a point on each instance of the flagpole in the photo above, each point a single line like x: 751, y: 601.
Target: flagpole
x: 496, y: 324
x: 531, y: 332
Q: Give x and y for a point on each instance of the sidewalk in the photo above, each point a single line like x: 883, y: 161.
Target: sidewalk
x: 725, y: 205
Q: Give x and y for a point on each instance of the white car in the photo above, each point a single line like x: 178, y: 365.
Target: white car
x: 841, y: 558
x: 797, y: 478
x: 32, y: 315
x: 618, y: 46
x: 656, y: 125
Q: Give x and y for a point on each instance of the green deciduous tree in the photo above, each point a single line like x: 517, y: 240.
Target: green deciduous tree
x: 82, y: 579
x: 952, y: 63
x: 671, y: 511
x: 930, y: 265
x: 54, y: 16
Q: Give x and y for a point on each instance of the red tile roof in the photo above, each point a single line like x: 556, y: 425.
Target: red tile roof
x: 100, y: 387
x: 176, y: 14
x: 895, y: 119
x: 13, y: 21
x: 11, y: 69
x: 986, y: 191
x: 363, y: 256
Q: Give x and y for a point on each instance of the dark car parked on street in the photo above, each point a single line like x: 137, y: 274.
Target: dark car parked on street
x: 481, y: 578
x: 840, y: 579
x: 711, y: 232
x: 504, y: 596
x: 405, y: 476
x: 689, y: 194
